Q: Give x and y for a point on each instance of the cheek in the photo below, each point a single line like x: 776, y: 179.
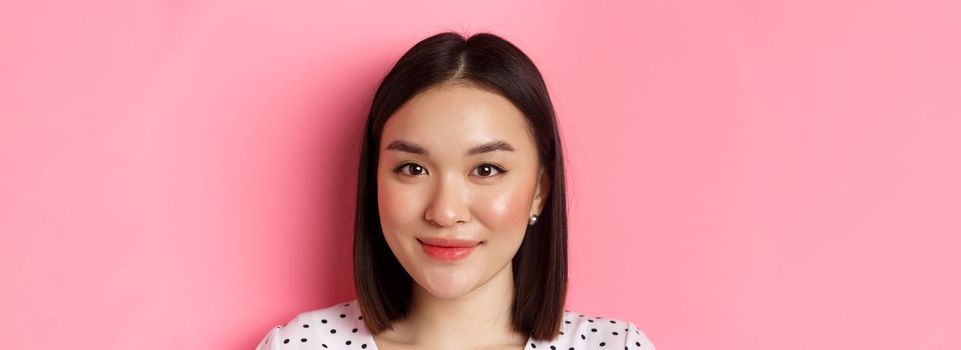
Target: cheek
x: 398, y: 207
x: 504, y: 207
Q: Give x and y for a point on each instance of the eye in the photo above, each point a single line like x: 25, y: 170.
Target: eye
x: 483, y: 170
x: 489, y: 170
x: 415, y: 169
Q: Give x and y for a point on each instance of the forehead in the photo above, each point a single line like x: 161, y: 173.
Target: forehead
x: 458, y: 116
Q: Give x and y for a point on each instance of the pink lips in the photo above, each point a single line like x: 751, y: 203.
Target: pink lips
x: 447, y: 249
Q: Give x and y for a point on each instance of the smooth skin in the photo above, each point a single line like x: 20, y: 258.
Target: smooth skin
x: 431, y: 186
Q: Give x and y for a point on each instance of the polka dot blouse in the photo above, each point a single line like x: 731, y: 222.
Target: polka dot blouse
x: 341, y: 326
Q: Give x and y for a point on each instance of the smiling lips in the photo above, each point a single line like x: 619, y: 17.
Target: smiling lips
x: 447, y: 249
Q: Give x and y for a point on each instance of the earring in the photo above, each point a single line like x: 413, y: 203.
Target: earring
x: 532, y: 221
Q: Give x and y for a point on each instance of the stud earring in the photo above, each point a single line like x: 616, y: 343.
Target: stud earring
x: 532, y: 221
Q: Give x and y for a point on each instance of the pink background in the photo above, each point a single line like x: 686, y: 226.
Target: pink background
x: 743, y: 174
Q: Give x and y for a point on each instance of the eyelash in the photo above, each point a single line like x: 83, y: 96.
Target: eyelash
x: 498, y: 169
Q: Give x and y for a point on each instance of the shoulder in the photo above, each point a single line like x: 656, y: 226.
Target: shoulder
x: 329, y: 327
x: 580, y: 331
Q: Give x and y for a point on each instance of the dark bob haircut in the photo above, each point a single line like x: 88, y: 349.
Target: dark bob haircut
x: 491, y: 63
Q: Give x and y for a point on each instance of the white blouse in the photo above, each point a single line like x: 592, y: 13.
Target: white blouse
x: 341, y: 326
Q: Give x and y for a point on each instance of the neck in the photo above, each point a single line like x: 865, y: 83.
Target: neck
x: 480, y: 317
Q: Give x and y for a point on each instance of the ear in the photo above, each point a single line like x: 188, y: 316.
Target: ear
x: 541, y: 191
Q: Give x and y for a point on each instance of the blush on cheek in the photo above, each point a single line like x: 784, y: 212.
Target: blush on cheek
x: 399, y: 205
x: 389, y: 204
x: 504, y: 208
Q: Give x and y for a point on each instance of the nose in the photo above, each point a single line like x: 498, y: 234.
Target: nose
x: 448, y: 206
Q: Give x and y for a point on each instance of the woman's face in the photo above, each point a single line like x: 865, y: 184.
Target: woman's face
x: 457, y: 162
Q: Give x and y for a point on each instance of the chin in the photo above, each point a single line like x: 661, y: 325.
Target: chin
x: 446, y: 285
x: 448, y: 294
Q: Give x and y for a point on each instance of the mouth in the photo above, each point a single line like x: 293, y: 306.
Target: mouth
x: 448, y: 242
x: 447, y: 250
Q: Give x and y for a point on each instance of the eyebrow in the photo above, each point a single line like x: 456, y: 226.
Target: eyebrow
x: 410, y: 147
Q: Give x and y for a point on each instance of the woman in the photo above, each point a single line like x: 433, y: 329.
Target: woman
x: 460, y: 235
